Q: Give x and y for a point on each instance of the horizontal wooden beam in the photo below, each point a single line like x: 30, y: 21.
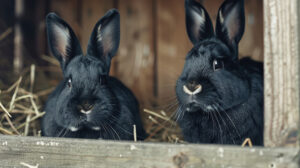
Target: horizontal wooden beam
x: 58, y: 152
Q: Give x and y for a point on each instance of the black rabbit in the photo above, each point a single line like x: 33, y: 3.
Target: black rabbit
x: 220, y: 97
x: 88, y: 103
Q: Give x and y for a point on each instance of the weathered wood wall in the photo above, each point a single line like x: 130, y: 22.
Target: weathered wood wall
x: 59, y: 152
x: 135, y: 62
x: 153, y: 40
x: 281, y: 64
x: 252, y: 41
x: 173, y: 44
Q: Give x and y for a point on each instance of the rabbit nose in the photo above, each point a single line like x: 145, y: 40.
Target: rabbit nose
x: 192, y: 89
x: 86, y: 106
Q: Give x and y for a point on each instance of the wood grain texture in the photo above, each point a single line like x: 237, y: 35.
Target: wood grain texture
x: 172, y: 46
x: 68, y: 10
x: 40, y: 40
x: 154, y: 41
x: 55, y: 152
x: 135, y: 59
x: 91, y: 12
x: 251, y: 44
x: 18, y: 37
x: 281, y: 26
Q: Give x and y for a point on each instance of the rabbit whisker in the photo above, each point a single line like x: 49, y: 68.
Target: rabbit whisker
x: 231, y: 122
x: 66, y: 132
x: 212, y: 118
x: 108, y: 131
x: 221, y: 132
x: 180, y: 114
x: 172, y: 106
x: 113, y: 117
x: 61, y: 131
x: 225, y: 125
x: 114, y: 131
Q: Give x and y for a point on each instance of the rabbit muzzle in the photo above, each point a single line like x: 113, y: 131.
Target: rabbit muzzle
x: 86, y: 106
x: 191, y: 89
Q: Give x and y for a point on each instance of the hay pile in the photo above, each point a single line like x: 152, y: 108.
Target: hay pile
x: 20, y: 108
x: 162, y: 128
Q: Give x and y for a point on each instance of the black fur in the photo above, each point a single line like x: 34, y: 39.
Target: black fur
x: 229, y: 107
x: 114, y: 108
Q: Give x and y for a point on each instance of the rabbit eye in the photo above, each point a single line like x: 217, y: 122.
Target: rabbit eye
x: 218, y: 64
x: 103, y: 79
x: 69, y: 83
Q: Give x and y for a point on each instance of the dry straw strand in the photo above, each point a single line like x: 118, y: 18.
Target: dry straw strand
x: 134, y: 133
x: 4, y: 109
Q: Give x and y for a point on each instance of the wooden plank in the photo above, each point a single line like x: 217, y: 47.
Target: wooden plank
x: 69, y: 11
x: 251, y: 44
x: 73, y: 153
x: 81, y: 15
x: 7, y: 14
x: 212, y: 8
x: 91, y: 12
x: 172, y: 47
x: 135, y: 61
x: 39, y: 11
x: 19, y: 37
x: 281, y: 20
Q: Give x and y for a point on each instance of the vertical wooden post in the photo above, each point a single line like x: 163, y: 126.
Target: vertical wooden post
x: 281, y: 75
x: 172, y: 46
x: 39, y: 20
x: 91, y: 12
x: 18, y: 39
x: 252, y: 41
x: 68, y: 10
x: 136, y: 57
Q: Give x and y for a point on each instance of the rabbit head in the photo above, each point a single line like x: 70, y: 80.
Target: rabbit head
x: 212, y: 78
x: 84, y: 97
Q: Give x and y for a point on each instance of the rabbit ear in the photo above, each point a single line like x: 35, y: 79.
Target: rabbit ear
x: 105, y: 37
x: 198, y: 23
x: 63, y: 43
x: 230, y: 23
